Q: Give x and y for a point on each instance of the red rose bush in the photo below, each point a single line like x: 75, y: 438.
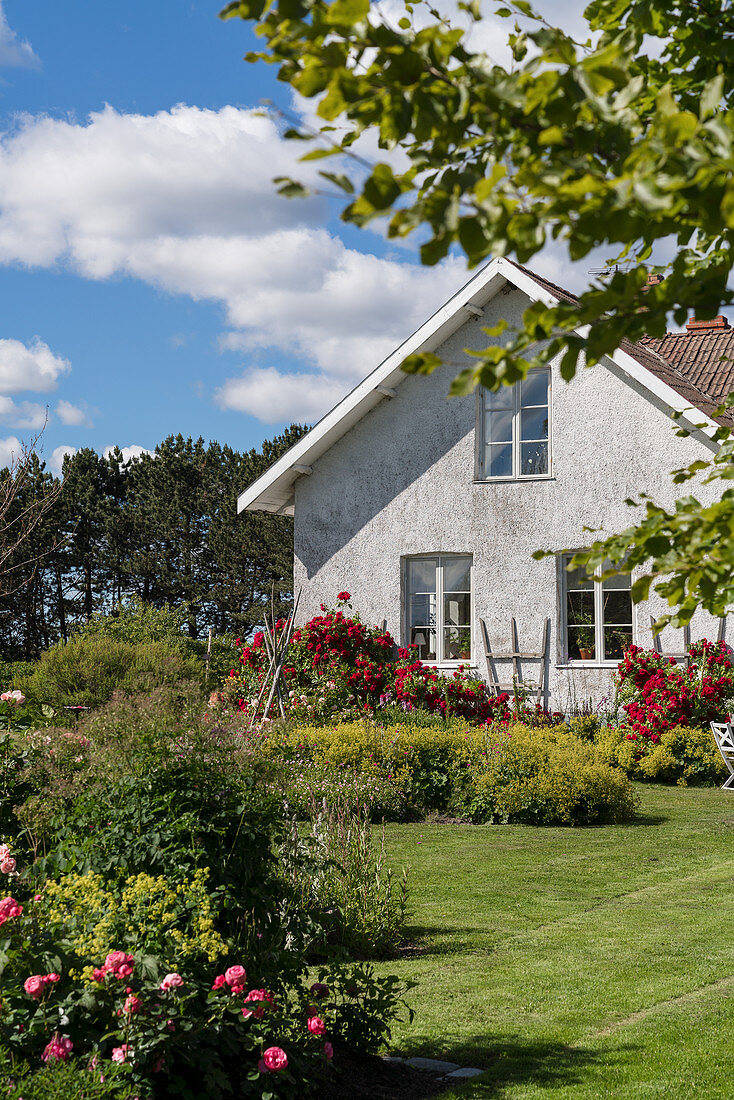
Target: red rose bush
x: 657, y: 694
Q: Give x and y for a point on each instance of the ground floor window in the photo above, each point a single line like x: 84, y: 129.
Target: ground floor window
x: 438, y: 607
x: 597, y: 615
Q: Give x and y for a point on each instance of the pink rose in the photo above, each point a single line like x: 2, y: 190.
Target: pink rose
x: 132, y: 1004
x: 119, y: 964
x: 265, y: 1000
x: 235, y: 977
x: 17, y: 698
x: 7, y: 866
x: 316, y: 1025
x: 34, y: 985
x: 171, y: 981
x: 120, y: 1054
x: 328, y: 1051
x: 58, y: 1050
x: 219, y: 981
x: 98, y: 975
x: 274, y: 1059
x: 9, y: 908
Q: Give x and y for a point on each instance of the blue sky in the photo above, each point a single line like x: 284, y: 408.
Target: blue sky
x: 151, y: 279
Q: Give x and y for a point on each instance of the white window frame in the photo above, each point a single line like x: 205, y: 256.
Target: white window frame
x: 574, y: 662
x: 440, y: 661
x: 481, y: 471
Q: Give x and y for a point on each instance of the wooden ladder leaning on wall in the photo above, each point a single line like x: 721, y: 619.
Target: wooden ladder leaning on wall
x: 516, y: 656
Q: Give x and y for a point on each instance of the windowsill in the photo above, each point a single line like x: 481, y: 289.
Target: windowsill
x: 505, y: 480
x: 448, y: 666
x: 589, y: 664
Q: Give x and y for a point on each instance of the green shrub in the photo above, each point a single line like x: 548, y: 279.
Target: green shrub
x: 553, y: 779
x: 64, y: 1081
x: 585, y: 725
x: 16, y: 674
x: 139, y: 623
x: 174, y: 820
x: 348, y: 891
x: 683, y: 755
x: 87, y: 671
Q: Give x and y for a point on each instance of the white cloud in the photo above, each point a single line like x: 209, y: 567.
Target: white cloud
x: 72, y: 415
x: 133, y: 451
x: 29, y: 414
x: 184, y: 201
x: 56, y: 462
x: 273, y: 396
x: 29, y: 367
x: 10, y: 449
x: 14, y: 53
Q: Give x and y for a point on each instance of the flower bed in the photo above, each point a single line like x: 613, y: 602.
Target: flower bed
x: 337, y: 668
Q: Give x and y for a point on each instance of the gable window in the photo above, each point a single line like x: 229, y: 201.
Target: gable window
x: 515, y: 429
x: 597, y: 615
x: 438, y: 607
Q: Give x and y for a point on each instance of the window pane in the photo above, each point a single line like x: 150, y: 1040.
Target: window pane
x: 504, y: 398
x: 533, y: 459
x: 423, y: 609
x: 618, y: 608
x: 580, y: 619
x: 580, y: 608
x: 457, y: 644
x: 457, y: 574
x: 534, y: 388
x: 499, y: 460
x: 499, y: 426
x: 425, y: 640
x: 422, y: 575
x: 534, y: 423
x: 616, y: 640
x: 622, y: 581
x: 456, y: 609
x: 581, y: 645
x: 576, y: 579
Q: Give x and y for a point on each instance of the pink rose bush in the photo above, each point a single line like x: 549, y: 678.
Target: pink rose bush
x: 7, y: 861
x: 120, y: 1011
x: 58, y: 1050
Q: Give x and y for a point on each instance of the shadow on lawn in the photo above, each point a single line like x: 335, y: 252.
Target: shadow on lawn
x: 425, y: 939
x: 510, y: 1060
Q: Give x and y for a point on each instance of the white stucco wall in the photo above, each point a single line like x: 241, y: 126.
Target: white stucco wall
x: 401, y: 483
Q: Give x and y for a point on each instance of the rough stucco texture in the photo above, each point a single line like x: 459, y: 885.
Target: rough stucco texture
x: 401, y: 482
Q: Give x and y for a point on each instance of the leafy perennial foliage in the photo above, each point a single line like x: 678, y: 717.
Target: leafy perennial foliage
x: 624, y: 140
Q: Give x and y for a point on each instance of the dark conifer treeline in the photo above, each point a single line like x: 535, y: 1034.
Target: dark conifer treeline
x: 164, y: 529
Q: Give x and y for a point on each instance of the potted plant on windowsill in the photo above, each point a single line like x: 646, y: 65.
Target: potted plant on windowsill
x: 586, y: 641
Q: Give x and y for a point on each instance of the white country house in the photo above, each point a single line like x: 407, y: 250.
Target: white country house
x: 427, y: 508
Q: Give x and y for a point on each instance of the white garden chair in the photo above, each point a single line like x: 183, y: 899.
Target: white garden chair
x: 724, y: 736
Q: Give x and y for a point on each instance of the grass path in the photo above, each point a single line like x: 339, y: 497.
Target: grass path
x: 577, y: 963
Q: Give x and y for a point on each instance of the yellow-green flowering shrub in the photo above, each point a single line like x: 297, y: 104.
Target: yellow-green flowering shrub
x: 683, y: 755
x: 554, y: 779
x: 155, y: 915
x: 426, y: 763
x: 542, y: 775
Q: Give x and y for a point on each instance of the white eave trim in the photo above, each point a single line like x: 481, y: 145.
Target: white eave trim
x: 274, y: 490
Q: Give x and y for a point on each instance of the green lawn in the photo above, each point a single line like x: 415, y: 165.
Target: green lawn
x: 575, y: 963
